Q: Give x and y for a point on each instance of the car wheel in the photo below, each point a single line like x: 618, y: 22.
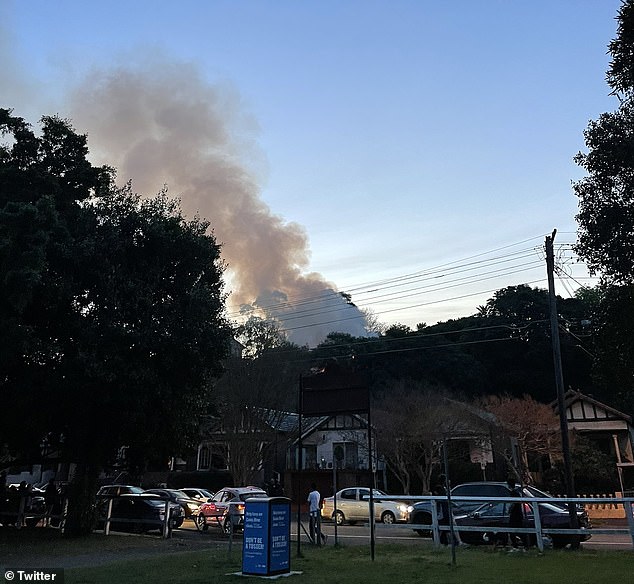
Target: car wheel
x: 340, y: 518
x: 560, y: 542
x: 388, y: 518
x: 178, y: 523
x: 201, y: 523
x: 226, y: 526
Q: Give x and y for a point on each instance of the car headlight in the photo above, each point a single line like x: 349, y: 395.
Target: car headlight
x: 410, y: 508
x: 403, y: 508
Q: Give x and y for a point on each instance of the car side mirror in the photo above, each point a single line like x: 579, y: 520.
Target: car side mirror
x: 475, y: 515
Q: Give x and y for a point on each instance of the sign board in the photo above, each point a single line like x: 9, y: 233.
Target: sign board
x: 280, y: 553
x: 266, y: 540
x: 336, y: 392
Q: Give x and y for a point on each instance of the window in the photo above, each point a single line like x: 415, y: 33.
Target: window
x: 346, y: 455
x: 204, y: 458
x: 493, y: 510
x: 349, y: 494
x: 310, y: 456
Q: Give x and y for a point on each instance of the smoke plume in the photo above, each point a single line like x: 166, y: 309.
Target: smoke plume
x: 163, y: 124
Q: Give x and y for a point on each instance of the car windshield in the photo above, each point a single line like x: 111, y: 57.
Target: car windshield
x: 136, y: 490
x: 536, y: 492
x: 176, y: 493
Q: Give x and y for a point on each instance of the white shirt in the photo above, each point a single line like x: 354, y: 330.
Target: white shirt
x: 313, y: 501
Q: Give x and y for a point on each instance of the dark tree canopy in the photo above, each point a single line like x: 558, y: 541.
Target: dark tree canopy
x: 504, y: 349
x: 613, y: 348
x: 606, y: 219
x: 620, y: 75
x: 113, y: 323
x: 606, y: 194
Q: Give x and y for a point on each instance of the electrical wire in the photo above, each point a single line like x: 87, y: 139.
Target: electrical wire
x: 458, y: 273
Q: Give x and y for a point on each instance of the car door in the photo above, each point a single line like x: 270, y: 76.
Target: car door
x: 490, y: 515
x: 122, y: 509
x: 476, y: 490
x: 363, y: 504
x: 347, y: 503
x: 218, y: 504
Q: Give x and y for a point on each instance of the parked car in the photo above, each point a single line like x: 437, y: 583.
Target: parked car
x: 497, y: 515
x: 196, y: 493
x: 114, y: 491
x: 226, y: 508
x: 10, y: 507
x: 420, y: 513
x: 190, y: 506
x: 492, y: 489
x: 137, y: 513
x: 353, y: 504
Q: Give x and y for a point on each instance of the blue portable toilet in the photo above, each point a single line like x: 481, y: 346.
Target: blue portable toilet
x: 266, y: 543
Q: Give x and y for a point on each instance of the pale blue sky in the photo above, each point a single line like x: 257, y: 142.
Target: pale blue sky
x: 402, y: 135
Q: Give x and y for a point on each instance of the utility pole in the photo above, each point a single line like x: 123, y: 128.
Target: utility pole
x: 559, y: 379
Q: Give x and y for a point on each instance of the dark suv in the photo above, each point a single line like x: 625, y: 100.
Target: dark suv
x: 134, y: 493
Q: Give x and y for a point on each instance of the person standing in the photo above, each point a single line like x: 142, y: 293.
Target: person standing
x: 25, y: 494
x: 314, y: 510
x: 516, y: 515
x: 276, y: 489
x: 51, y: 495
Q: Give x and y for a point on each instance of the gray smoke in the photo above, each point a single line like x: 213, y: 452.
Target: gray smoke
x: 161, y: 124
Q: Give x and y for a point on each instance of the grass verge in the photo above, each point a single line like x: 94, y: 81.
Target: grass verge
x: 150, y: 560
x: 402, y: 564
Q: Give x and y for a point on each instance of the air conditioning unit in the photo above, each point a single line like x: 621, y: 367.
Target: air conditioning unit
x: 329, y: 465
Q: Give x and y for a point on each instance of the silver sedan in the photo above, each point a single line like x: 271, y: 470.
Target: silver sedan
x: 353, y: 504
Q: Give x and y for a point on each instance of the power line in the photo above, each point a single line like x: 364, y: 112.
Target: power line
x: 431, y: 274
x: 447, y: 276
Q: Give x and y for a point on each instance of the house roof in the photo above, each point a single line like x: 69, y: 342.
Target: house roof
x: 285, y: 422
x: 571, y: 397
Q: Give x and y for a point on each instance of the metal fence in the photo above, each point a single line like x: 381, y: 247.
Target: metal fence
x: 24, y: 514
x: 537, y: 530
x: 163, y: 525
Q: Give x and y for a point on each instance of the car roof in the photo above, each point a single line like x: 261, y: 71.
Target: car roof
x: 142, y: 497
x: 197, y: 490
x: 242, y: 490
x: 482, y: 483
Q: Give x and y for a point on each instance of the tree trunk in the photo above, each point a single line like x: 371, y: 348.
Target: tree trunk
x: 81, y: 517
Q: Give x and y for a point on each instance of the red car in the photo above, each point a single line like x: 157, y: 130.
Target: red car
x: 226, y: 508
